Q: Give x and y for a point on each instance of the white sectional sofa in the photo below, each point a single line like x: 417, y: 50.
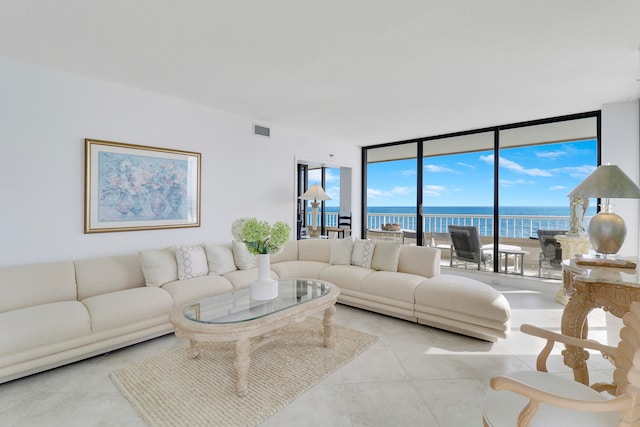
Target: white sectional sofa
x: 56, y: 313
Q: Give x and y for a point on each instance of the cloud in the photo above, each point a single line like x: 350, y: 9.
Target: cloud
x: 465, y: 165
x: 512, y: 182
x: 395, y: 191
x: 433, y: 190
x: 553, y: 155
x: 408, y: 172
x: 578, y: 172
x: 515, y: 167
x: 437, y: 169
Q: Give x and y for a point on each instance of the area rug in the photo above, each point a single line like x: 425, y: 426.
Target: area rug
x: 173, y: 390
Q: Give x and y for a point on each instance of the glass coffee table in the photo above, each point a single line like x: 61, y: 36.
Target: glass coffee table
x: 234, y: 316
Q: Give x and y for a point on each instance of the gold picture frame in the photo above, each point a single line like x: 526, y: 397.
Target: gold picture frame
x: 134, y: 187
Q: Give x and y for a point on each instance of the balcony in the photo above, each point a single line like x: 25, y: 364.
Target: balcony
x: 515, y: 230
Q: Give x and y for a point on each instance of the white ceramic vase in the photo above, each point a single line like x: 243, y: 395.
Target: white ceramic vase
x: 265, y: 288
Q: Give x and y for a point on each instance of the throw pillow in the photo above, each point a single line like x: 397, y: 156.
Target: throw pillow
x: 220, y: 259
x: 159, y: 266
x: 362, y: 253
x: 341, y: 250
x: 242, y: 257
x: 192, y: 262
x: 385, y: 256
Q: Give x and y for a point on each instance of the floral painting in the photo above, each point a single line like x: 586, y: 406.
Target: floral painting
x: 135, y: 187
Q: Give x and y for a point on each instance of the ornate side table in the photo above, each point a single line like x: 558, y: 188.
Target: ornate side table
x: 588, y: 287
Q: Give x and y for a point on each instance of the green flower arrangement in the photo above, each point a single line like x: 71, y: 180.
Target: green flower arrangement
x: 260, y: 237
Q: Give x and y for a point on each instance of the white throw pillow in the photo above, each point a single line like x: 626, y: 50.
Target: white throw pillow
x: 362, y: 253
x: 385, y: 256
x: 192, y: 262
x: 244, y: 259
x: 159, y: 266
x: 220, y: 259
x: 341, y: 250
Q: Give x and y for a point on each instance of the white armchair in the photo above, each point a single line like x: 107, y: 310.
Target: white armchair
x: 538, y: 398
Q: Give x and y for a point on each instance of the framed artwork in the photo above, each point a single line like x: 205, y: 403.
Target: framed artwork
x: 134, y: 187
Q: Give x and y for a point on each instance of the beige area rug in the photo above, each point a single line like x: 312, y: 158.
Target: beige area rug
x: 173, y: 390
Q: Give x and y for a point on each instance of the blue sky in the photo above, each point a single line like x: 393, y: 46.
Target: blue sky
x: 529, y: 176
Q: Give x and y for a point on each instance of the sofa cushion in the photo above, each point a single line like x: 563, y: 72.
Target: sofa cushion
x: 396, y: 286
x: 345, y: 276
x: 242, y: 278
x: 469, y: 298
x: 242, y: 257
x: 314, y: 250
x: 192, y: 262
x: 183, y: 291
x: 34, y: 284
x: 298, y: 269
x: 220, y: 259
x: 108, y: 274
x: 385, y: 256
x: 289, y: 252
x: 420, y: 260
x: 341, y: 250
x: 362, y: 253
x: 42, y: 325
x: 127, y: 307
x: 159, y: 266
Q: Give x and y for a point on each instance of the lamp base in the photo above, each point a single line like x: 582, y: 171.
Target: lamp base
x: 607, y: 231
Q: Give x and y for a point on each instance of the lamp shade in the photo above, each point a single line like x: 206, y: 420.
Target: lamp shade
x: 607, y: 181
x: 315, y: 192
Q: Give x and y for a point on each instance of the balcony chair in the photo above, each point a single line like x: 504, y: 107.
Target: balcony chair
x: 550, y: 257
x: 409, y: 237
x: 533, y: 398
x: 441, y: 241
x: 466, y: 246
x: 344, y: 225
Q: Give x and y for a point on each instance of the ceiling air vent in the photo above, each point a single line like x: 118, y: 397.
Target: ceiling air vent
x: 261, y: 130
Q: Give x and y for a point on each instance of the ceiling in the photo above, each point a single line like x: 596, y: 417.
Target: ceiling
x: 358, y: 71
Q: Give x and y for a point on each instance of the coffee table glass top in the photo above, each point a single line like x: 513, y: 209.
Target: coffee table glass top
x: 237, y: 306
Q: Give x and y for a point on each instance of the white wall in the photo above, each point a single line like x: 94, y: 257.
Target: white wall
x: 621, y: 146
x: 45, y: 115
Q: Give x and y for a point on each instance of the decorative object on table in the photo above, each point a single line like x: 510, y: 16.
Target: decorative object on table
x: 170, y: 389
x: 605, y: 262
x: 262, y: 240
x: 607, y: 230
x: 315, y: 193
x: 579, y: 206
x: 390, y: 227
x: 133, y: 187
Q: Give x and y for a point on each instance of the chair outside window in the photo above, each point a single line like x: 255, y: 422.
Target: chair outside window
x: 550, y: 258
x: 540, y: 398
x: 344, y: 225
x: 466, y: 247
x: 409, y: 237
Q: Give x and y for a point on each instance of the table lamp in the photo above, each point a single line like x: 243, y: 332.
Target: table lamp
x: 315, y: 193
x: 607, y: 230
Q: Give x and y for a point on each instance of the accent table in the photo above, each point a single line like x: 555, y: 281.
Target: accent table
x: 234, y: 316
x: 588, y: 287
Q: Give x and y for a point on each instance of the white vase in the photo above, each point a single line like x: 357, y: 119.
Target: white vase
x: 265, y: 288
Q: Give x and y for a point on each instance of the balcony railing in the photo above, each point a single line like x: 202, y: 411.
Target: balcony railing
x: 515, y: 226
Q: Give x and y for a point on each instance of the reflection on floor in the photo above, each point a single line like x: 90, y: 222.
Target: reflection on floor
x: 414, y: 375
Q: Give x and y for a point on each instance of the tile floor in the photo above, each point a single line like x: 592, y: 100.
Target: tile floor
x: 414, y: 375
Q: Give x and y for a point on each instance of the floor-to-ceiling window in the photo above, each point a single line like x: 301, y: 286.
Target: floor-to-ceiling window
x: 508, y: 181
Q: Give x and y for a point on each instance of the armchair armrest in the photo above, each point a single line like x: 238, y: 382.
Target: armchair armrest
x: 537, y: 396
x: 552, y: 338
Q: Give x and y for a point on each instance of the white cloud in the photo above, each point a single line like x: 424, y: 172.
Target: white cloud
x: 437, y: 169
x: 558, y: 188
x: 395, y: 191
x: 408, y: 172
x: 433, y: 190
x: 551, y: 154
x: 515, y: 167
